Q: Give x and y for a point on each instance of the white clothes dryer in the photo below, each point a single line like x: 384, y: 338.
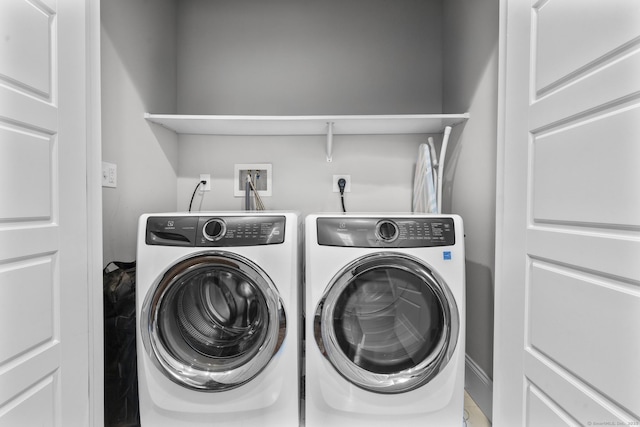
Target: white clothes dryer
x: 217, y: 316
x: 385, y: 313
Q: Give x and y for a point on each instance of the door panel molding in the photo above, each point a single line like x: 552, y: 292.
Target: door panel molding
x: 568, y: 203
x: 570, y: 393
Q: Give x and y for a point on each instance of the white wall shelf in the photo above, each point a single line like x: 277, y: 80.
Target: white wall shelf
x: 308, y: 125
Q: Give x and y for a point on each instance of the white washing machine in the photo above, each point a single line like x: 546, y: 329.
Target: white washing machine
x: 217, y: 315
x: 385, y: 312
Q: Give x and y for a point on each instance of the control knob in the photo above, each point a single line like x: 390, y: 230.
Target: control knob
x: 387, y: 231
x: 214, y: 229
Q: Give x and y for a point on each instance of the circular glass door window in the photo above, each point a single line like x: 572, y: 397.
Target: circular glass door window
x: 387, y: 323
x: 213, y: 322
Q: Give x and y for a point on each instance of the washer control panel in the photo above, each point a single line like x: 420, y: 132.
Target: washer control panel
x: 386, y: 232
x: 215, y: 231
x: 240, y: 230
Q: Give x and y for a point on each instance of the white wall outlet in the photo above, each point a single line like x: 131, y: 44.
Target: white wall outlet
x: 207, y: 185
x: 109, y: 175
x: 261, y: 174
x: 347, y: 187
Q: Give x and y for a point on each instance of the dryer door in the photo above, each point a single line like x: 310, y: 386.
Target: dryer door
x: 387, y: 323
x: 213, y: 321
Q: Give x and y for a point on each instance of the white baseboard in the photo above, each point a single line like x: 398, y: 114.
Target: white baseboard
x: 479, y: 386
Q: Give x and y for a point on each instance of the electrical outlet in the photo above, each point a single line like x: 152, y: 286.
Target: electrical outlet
x: 109, y: 175
x: 261, y: 174
x: 347, y: 187
x: 207, y: 185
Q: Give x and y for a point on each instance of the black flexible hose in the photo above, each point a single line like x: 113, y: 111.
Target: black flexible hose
x: 194, y: 193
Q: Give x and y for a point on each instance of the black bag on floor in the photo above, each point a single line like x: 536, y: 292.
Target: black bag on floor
x: 121, y: 407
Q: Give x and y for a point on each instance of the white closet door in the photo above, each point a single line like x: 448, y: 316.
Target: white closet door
x: 44, y: 320
x: 567, y: 345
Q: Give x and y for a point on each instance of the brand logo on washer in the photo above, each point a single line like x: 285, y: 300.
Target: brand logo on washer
x: 446, y: 255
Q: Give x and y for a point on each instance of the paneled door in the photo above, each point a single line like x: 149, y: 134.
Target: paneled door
x: 567, y: 345
x: 44, y: 310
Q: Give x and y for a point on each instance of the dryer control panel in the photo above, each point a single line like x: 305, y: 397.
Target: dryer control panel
x: 386, y: 232
x: 215, y: 231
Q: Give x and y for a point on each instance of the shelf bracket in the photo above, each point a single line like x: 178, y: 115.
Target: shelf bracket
x: 329, y: 141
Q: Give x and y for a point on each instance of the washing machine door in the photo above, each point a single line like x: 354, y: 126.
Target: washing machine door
x: 213, y: 321
x: 387, y: 323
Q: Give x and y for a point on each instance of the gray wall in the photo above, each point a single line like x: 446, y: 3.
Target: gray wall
x: 470, y: 84
x: 300, y: 57
x: 305, y: 57
x: 138, y: 75
x: 381, y: 169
